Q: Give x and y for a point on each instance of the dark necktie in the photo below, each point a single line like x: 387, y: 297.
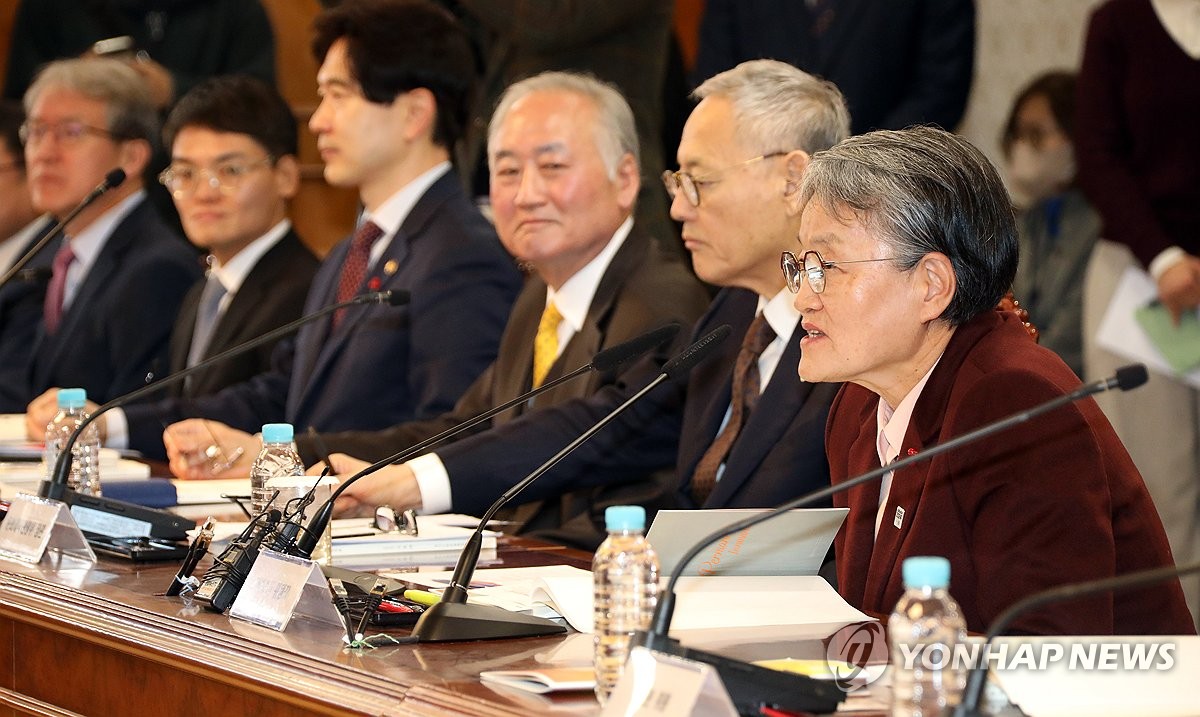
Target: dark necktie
x: 743, y: 398
x: 354, y: 270
x: 52, y: 309
x: 207, y: 314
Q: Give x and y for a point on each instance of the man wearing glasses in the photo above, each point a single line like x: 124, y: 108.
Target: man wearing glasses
x: 744, y: 431
x: 120, y: 273
x: 233, y: 144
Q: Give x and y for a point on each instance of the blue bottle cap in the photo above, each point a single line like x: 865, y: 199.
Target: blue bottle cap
x: 927, y: 571
x: 277, y: 433
x: 625, y: 517
x: 72, y: 398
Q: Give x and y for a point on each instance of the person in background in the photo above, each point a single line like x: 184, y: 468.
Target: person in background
x: 898, y: 62
x: 907, y: 243
x: 233, y: 145
x: 174, y: 44
x: 120, y: 276
x: 21, y: 227
x: 394, y: 81
x: 1057, y: 227
x: 741, y: 430
x: 563, y: 152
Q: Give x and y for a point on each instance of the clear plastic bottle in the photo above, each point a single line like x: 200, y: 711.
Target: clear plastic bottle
x: 277, y: 459
x: 85, y: 456
x: 923, y: 631
x: 625, y: 584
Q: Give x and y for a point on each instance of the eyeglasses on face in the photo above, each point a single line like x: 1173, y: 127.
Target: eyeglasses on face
x: 811, y: 265
x: 69, y: 132
x: 676, y: 182
x: 183, y: 180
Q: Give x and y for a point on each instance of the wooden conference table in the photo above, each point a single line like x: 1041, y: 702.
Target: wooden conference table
x: 94, y: 639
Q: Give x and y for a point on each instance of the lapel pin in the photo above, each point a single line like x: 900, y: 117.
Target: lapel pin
x: 390, y: 267
x: 374, y: 284
x: 899, y: 519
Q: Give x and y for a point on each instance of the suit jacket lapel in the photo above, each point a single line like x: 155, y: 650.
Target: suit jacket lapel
x: 514, y: 360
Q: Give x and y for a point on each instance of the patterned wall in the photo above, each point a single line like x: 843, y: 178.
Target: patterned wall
x: 1016, y: 40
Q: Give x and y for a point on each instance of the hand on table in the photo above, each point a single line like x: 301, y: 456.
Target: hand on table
x: 394, y: 486
x: 199, y: 449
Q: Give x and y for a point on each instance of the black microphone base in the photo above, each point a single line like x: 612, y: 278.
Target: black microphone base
x: 456, y: 622
x: 752, y: 687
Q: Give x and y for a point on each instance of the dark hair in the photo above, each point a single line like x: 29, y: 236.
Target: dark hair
x: 12, y: 115
x: 239, y: 104
x: 393, y: 46
x: 1058, y: 87
x: 925, y: 190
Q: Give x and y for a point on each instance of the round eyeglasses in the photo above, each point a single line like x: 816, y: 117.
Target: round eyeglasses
x: 183, y: 180
x: 676, y: 182
x: 69, y: 132
x: 811, y: 265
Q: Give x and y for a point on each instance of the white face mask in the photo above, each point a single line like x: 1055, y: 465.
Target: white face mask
x: 1039, y: 174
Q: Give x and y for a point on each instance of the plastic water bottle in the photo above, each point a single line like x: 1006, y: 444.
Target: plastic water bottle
x: 277, y: 459
x: 923, y: 631
x: 625, y: 584
x: 85, y: 456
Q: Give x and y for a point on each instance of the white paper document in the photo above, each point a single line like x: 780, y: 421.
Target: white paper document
x: 1120, y: 332
x: 793, y: 543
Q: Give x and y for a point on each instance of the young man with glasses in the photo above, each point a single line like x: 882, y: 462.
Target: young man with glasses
x: 233, y: 144
x: 744, y: 431
x: 120, y: 274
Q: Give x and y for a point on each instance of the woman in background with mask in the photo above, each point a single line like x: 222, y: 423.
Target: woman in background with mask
x: 1057, y: 227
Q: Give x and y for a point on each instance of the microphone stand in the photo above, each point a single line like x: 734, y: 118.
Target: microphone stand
x: 56, y: 487
x: 454, y: 619
x: 750, y: 685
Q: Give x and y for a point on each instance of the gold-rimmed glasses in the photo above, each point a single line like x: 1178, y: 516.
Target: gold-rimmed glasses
x: 811, y: 265
x: 681, y: 181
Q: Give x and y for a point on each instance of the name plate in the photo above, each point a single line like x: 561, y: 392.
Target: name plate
x: 281, y: 586
x: 659, y: 685
x: 36, y: 525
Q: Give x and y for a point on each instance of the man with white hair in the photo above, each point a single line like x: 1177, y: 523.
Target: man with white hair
x: 740, y: 433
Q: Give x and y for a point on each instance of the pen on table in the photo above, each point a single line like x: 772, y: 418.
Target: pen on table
x: 197, y: 550
x: 322, y: 450
x: 421, y: 597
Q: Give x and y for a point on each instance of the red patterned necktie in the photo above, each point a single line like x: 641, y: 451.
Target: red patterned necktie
x: 354, y: 270
x: 52, y: 309
x: 743, y: 398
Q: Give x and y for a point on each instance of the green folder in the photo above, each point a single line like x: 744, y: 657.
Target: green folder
x: 1180, y: 345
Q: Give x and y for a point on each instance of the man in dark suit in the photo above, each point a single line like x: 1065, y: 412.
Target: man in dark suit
x: 742, y: 433
x: 118, y: 281
x: 394, y: 80
x: 908, y: 242
x: 898, y: 62
x: 563, y: 152
x: 22, y: 296
x: 233, y: 145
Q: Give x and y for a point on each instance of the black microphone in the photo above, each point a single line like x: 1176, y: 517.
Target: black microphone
x: 111, y: 180
x: 56, y: 487
x: 604, y: 361
x: 749, y: 685
x: 453, y: 618
x: 1062, y: 593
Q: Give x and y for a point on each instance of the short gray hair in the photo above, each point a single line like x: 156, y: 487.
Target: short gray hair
x: 925, y: 190
x: 131, y: 113
x: 616, y: 133
x: 781, y: 107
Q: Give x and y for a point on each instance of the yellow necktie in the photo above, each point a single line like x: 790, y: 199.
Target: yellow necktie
x: 545, y: 346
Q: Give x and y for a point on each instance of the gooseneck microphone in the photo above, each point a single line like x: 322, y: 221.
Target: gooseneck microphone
x: 604, y: 361
x: 111, y: 180
x: 749, y: 685
x: 56, y: 487
x: 973, y: 693
x: 453, y: 618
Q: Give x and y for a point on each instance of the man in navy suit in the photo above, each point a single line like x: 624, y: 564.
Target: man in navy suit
x: 119, y: 278
x: 744, y: 150
x: 20, y: 229
x: 393, y: 82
